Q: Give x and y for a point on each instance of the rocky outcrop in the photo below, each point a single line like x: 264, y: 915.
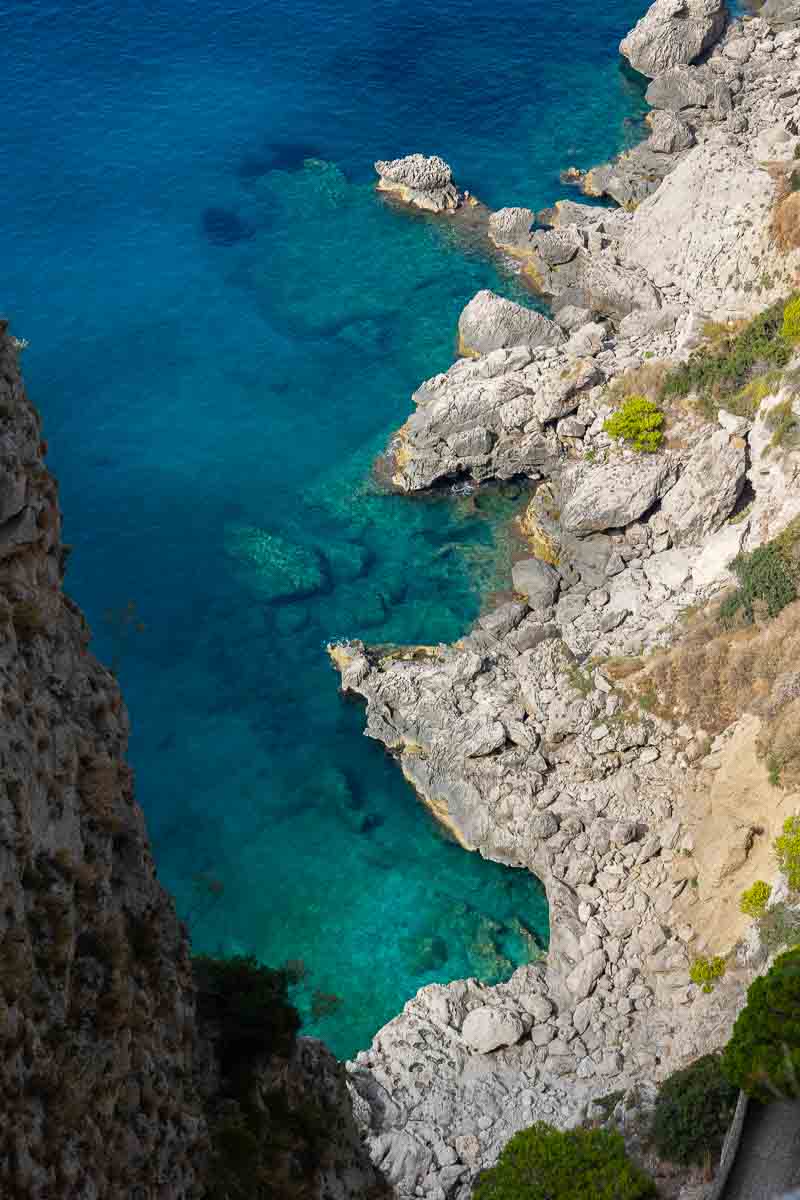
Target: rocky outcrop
x: 614, y: 494
x: 673, y: 33
x: 509, y: 228
x: 425, y: 183
x: 96, y: 993
x: 490, y: 322
x: 108, y: 1077
x: 707, y: 491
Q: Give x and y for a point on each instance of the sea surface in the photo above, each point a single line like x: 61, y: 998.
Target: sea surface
x: 225, y: 324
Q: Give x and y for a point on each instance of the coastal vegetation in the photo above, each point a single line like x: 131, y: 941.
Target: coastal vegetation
x: 753, y: 901
x: 763, y: 1054
x: 693, y: 1111
x: 542, y: 1163
x: 706, y: 971
x: 726, y: 370
x: 639, y: 422
x: 787, y: 851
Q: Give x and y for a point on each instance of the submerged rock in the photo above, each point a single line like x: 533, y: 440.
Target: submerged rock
x: 673, y: 33
x: 490, y: 322
x: 278, y: 569
x: 425, y: 183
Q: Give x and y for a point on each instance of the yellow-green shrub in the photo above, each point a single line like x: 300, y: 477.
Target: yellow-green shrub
x: 705, y: 971
x: 639, y: 421
x: 753, y: 900
x: 791, y: 320
x: 787, y: 849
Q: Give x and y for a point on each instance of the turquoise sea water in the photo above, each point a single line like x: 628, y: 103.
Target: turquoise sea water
x: 225, y: 323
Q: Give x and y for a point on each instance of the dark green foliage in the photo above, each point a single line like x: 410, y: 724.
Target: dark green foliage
x: 763, y: 1055
x: 693, y: 1111
x: 542, y: 1163
x: 725, y: 368
x: 765, y: 575
x: 247, y: 1003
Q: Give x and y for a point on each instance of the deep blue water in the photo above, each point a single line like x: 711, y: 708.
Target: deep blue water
x: 225, y: 322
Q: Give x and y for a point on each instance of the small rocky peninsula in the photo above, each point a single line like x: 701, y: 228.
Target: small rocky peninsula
x: 551, y: 736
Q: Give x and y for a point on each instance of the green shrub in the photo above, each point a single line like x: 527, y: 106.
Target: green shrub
x: 791, y: 320
x: 705, y: 971
x: 542, y: 1163
x: 787, y: 849
x: 764, y: 575
x: 720, y: 371
x: 246, y: 1005
x: 779, y: 928
x: 763, y: 1055
x: 639, y: 421
x: 693, y: 1111
x: 753, y: 900
x: 784, y: 425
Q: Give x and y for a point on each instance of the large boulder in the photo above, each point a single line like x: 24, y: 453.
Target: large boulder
x: 613, y: 494
x: 707, y: 232
x: 425, y: 183
x: 673, y: 33
x: 490, y: 322
x: 708, y: 489
x: 487, y: 1029
x: 536, y: 580
x: 781, y: 14
x: 668, y: 133
x: 510, y: 228
x: 679, y: 88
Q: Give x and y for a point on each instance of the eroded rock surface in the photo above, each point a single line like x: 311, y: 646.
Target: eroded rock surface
x: 490, y: 322
x: 673, y: 33
x: 425, y: 183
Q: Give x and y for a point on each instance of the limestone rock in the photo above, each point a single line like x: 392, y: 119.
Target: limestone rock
x: 487, y: 1028
x: 673, y: 33
x: 510, y: 228
x: 707, y: 490
x: 612, y: 494
x: 679, y: 88
x: 668, y: 134
x: 490, y: 322
x: 425, y: 183
x: 536, y: 580
x: 582, y: 978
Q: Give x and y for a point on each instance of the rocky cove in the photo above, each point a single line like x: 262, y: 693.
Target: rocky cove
x: 519, y: 737
x: 528, y: 737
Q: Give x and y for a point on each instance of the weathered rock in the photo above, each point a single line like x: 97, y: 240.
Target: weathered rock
x: 490, y: 322
x: 679, y: 88
x: 510, y: 228
x: 425, y: 183
x: 673, y: 33
x: 486, y: 1029
x: 612, y: 494
x: 536, y: 580
x: 582, y: 978
x: 707, y: 490
x: 668, y: 134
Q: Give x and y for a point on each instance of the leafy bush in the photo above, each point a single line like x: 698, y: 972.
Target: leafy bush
x: 787, y: 849
x: 705, y: 971
x: 639, y: 422
x: 763, y: 1054
x: 247, y: 1006
x: 764, y: 575
x: 720, y: 371
x: 693, y: 1111
x: 753, y: 900
x: 791, y: 320
x: 542, y: 1163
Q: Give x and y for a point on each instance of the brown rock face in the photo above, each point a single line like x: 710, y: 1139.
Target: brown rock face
x: 96, y: 997
x: 106, y: 1080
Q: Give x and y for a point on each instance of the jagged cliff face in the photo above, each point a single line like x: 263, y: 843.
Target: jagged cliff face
x: 96, y: 1002
x: 109, y: 1085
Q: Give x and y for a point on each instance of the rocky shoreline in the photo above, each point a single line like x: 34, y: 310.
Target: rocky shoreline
x: 521, y: 737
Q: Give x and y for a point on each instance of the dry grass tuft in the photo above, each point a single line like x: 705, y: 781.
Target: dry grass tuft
x: 646, y: 380
x: 713, y: 675
x: 785, y: 224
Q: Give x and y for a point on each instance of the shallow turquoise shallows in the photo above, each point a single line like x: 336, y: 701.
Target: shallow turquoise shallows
x: 225, y: 324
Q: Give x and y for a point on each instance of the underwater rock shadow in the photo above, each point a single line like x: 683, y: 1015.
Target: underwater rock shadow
x: 276, y: 156
x: 225, y: 228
